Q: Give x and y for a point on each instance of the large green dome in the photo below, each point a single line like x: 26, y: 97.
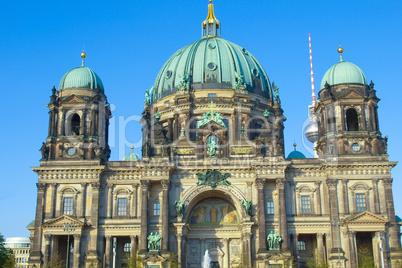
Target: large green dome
x: 343, y: 72
x: 211, y: 63
x: 81, y: 77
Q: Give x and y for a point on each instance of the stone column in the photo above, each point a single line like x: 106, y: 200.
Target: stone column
x: 202, y: 242
x: 83, y: 200
x: 249, y: 190
x: 77, y: 250
x: 376, y: 208
x: 296, y: 247
x: 247, y: 247
x: 36, y: 254
x: 352, y: 250
x: 165, y: 215
x: 109, y: 200
x: 179, y: 236
x: 393, y: 228
x: 144, y: 215
x: 53, y: 201
x: 260, y: 184
x: 333, y: 211
x: 47, y: 247
x: 345, y: 208
x: 61, y: 123
x: 82, y: 121
x: 318, y: 197
x: 133, y: 248
x: 283, y: 224
x: 320, y: 246
x: 384, y: 247
x: 108, y: 251
x: 226, y: 246
x: 134, y: 204
x: 93, y: 234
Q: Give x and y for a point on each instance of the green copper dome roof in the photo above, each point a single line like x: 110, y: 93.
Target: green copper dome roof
x: 296, y: 154
x: 343, y: 72
x: 211, y: 63
x: 81, y: 77
x: 131, y: 157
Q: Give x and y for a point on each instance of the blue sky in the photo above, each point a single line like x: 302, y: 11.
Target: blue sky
x: 127, y: 42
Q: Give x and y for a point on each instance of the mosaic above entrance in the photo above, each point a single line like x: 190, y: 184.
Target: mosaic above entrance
x: 214, y: 212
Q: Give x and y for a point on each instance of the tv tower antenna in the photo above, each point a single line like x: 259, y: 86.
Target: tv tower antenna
x: 312, y: 73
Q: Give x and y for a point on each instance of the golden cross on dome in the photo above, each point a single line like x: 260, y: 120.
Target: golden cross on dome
x: 212, y: 106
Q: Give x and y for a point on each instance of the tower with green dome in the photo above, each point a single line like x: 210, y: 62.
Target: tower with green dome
x: 79, y: 118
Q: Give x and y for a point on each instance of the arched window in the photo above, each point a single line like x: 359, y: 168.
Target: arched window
x: 352, y: 122
x: 75, y: 125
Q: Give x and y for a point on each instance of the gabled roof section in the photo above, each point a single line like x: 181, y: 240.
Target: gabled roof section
x: 73, y: 99
x: 59, y: 222
x: 364, y: 218
x: 351, y: 94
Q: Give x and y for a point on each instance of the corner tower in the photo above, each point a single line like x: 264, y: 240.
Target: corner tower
x: 347, y: 113
x: 78, y: 118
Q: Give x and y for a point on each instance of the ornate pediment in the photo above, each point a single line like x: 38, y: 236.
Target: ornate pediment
x: 365, y: 217
x: 352, y: 94
x: 61, y: 220
x: 73, y: 99
x: 213, y: 178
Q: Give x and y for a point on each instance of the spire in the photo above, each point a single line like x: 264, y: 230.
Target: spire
x: 83, y: 56
x: 312, y: 73
x: 211, y: 26
x: 340, y: 50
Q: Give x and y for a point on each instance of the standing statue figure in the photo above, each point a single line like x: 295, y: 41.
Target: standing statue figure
x: 247, y: 206
x: 274, y: 241
x: 147, y: 97
x: 276, y: 92
x: 44, y: 151
x: 154, y: 241
x: 179, y: 208
x: 212, y: 148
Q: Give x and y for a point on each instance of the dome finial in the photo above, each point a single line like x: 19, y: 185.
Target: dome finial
x: 211, y: 25
x: 294, y: 145
x: 83, y: 56
x: 340, y: 51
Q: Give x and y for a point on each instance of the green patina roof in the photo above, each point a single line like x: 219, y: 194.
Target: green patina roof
x: 131, y: 157
x: 31, y: 224
x: 81, y: 77
x: 398, y: 219
x: 296, y: 154
x: 211, y: 63
x: 343, y: 72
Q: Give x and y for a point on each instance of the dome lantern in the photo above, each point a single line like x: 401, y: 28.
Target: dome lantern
x: 211, y: 26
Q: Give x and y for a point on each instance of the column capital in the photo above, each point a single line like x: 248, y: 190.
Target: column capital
x: 280, y: 182
x: 83, y: 184
x: 260, y: 183
x: 375, y: 180
x: 145, y: 184
x: 132, y: 237
x: 95, y: 185
x: 317, y: 183
x: 41, y: 187
x: 320, y: 235
x: 249, y: 183
x: 48, y: 237
x: 77, y: 236
x: 54, y: 185
x: 387, y: 182
x: 165, y: 184
x: 330, y: 183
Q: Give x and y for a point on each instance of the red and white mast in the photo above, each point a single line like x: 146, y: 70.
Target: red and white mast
x: 312, y: 73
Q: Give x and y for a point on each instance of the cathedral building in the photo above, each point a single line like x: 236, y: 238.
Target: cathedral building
x: 213, y: 183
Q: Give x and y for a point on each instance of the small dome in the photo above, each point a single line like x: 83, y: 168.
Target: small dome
x: 131, y: 157
x: 211, y: 63
x: 81, y: 77
x: 296, y: 154
x: 343, y: 72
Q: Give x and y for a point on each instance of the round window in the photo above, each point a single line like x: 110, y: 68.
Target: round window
x: 244, y: 51
x: 255, y: 72
x: 355, y: 147
x: 71, y: 151
x: 212, y: 66
x: 168, y: 74
x: 211, y: 46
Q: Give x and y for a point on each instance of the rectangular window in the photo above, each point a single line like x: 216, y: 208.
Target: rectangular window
x: 301, y: 245
x: 157, y: 209
x: 270, y: 208
x: 305, y: 204
x: 360, y: 202
x: 212, y: 96
x: 122, y: 206
x: 68, y: 205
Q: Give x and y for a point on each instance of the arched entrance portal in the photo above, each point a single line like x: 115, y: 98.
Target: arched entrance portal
x: 214, y: 226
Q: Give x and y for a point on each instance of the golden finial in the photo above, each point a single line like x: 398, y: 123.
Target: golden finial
x: 132, y: 148
x: 210, y: 1
x: 340, y: 51
x: 211, y: 25
x: 83, y: 56
x: 294, y: 145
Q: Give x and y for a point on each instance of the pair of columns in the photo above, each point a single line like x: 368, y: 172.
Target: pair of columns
x: 283, y: 232
x: 145, y: 185
x: 76, y: 254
